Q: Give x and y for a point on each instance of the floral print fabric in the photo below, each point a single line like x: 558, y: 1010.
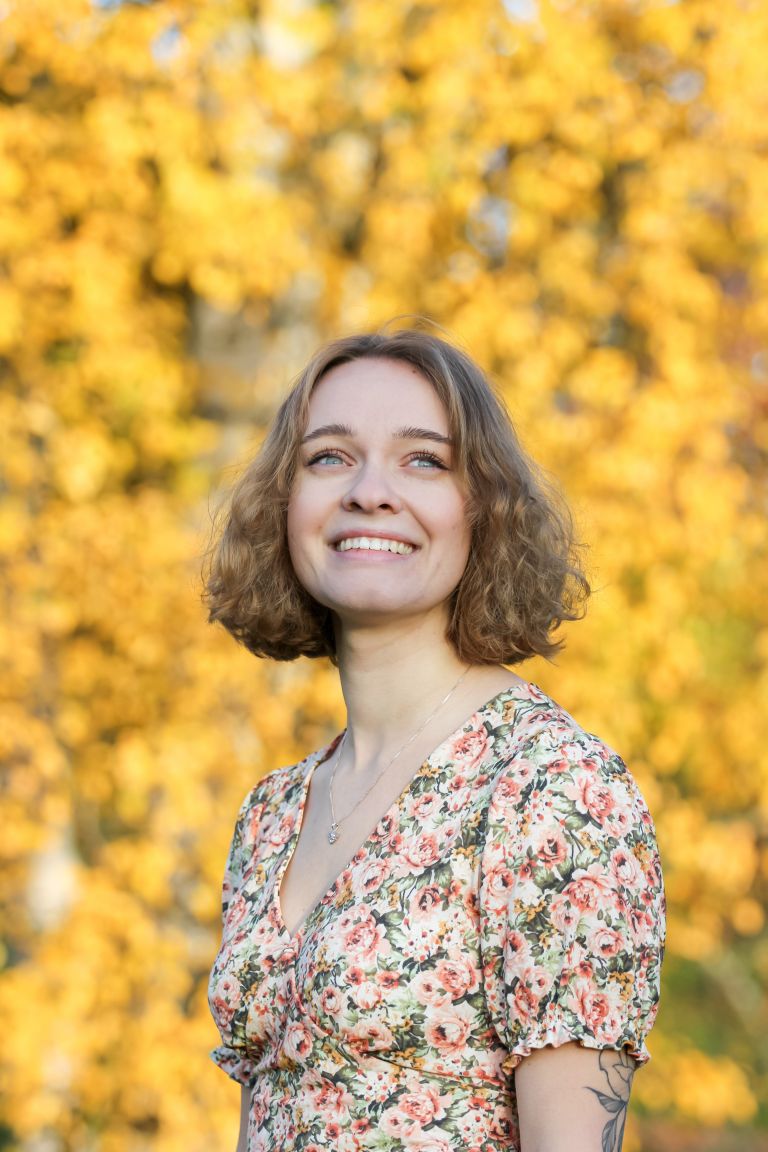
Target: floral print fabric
x: 510, y: 898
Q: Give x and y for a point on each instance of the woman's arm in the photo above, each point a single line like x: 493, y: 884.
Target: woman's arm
x: 245, y: 1100
x: 573, y: 1098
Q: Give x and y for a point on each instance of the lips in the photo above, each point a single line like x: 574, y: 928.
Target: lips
x: 373, y: 544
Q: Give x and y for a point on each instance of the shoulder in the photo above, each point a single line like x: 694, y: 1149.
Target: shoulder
x: 526, y: 717
x: 536, y: 735
x: 274, y: 795
x: 550, y: 770
x: 570, y: 844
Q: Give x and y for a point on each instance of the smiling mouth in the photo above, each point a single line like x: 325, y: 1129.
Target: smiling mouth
x: 373, y: 544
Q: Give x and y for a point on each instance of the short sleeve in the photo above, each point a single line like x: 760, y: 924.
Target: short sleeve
x: 572, y: 901
x: 240, y: 849
x: 230, y: 1057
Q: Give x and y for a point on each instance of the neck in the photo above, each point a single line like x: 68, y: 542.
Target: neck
x: 392, y: 678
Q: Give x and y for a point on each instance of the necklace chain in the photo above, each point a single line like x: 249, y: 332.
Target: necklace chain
x: 333, y: 831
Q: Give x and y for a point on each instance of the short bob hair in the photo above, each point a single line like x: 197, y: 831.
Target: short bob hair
x: 522, y: 578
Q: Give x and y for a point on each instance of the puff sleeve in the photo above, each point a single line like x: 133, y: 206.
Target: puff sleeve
x: 571, y: 898
x: 224, y: 991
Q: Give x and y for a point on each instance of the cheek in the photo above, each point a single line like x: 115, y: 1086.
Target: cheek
x: 457, y: 535
x: 301, y: 515
x: 298, y: 522
x: 461, y: 528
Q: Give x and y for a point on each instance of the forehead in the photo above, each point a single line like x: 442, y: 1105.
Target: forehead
x: 377, y: 393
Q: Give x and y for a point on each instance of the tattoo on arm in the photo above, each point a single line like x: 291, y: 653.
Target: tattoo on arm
x: 618, y: 1069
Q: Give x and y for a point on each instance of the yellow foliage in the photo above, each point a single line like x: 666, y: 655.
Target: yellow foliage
x: 709, y: 1091
x: 193, y: 196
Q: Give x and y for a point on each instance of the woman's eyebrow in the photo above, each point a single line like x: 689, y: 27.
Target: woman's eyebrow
x: 410, y: 433
x: 328, y: 430
x: 407, y: 433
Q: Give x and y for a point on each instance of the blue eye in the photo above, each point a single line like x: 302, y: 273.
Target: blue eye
x: 325, y: 456
x: 428, y: 459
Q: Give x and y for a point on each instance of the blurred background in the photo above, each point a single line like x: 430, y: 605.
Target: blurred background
x: 193, y: 195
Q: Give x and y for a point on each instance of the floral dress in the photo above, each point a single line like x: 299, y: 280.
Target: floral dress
x: 510, y: 898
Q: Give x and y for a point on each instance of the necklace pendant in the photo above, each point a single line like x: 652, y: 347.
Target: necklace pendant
x: 333, y: 833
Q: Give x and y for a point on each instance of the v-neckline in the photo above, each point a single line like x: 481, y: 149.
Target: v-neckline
x: 296, y: 937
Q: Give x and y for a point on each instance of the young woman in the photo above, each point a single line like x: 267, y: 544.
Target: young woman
x: 443, y: 931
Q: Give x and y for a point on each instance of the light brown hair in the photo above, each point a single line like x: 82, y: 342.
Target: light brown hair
x: 522, y: 579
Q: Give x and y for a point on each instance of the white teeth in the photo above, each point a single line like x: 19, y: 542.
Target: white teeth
x: 374, y: 544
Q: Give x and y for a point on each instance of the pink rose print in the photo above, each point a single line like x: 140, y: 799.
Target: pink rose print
x: 366, y: 995
x: 265, y: 935
x: 626, y: 869
x: 420, y: 852
x: 565, y: 915
x: 428, y: 989
x: 236, y: 913
x: 373, y: 874
x: 384, y: 830
x: 589, y: 1003
x: 550, y: 847
x: 525, y: 1001
x: 424, y: 1106
x: 388, y: 979
x: 371, y: 1036
x: 591, y: 795
x: 365, y: 941
x: 297, y: 1044
x: 600, y: 1009
x: 539, y: 980
x: 523, y: 772
x: 516, y: 947
x: 331, y: 1001
x: 259, y: 1109
x: 282, y: 833
x: 253, y: 822
x: 469, y: 748
x: 591, y: 888
x: 424, y: 902
x: 226, y: 1000
x: 642, y: 925
x: 506, y: 797
x: 499, y: 882
x: 457, y: 976
x: 605, y: 941
x: 395, y: 1123
x: 447, y: 1031
x: 331, y: 1100
x: 652, y: 874
x: 423, y: 807
x: 430, y: 1142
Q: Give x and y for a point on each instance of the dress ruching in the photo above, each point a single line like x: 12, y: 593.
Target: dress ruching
x: 510, y: 898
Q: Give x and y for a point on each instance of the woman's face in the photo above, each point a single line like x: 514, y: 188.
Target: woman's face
x: 377, y: 524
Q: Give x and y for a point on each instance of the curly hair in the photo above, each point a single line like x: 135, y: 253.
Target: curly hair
x: 522, y: 579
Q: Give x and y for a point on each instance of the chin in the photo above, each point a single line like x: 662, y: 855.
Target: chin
x: 374, y: 612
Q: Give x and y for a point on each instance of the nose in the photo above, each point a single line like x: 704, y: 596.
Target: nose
x: 370, y: 490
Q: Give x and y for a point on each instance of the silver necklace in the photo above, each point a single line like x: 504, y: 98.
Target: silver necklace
x: 333, y: 831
